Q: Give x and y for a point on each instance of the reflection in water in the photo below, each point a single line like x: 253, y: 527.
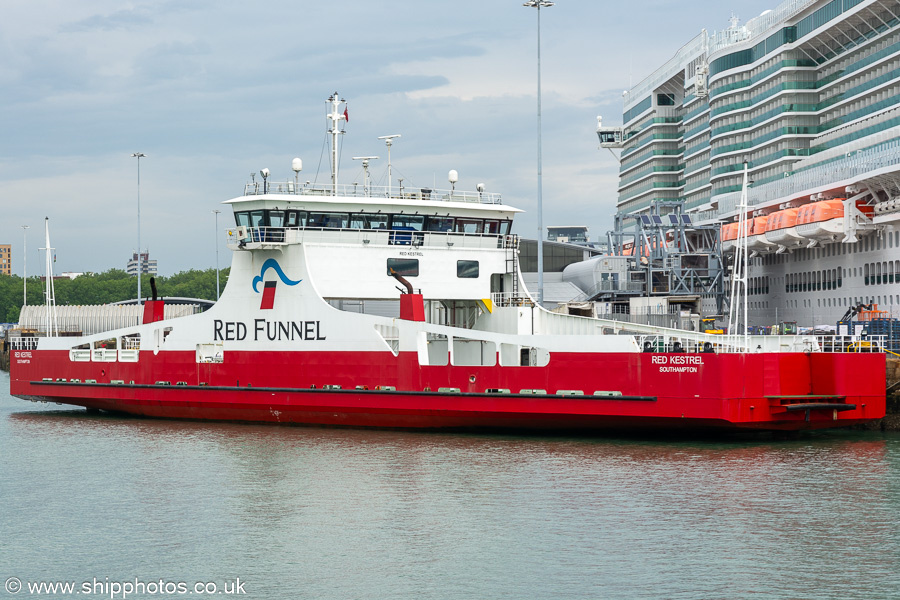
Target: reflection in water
x: 329, y: 513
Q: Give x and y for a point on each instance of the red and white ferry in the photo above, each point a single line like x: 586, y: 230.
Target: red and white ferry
x: 300, y: 336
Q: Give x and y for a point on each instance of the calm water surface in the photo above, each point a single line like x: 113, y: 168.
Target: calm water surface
x: 319, y: 513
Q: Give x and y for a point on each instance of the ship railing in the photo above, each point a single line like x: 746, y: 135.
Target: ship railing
x: 382, y: 192
x: 674, y: 344
x: 80, y: 355
x: 129, y: 355
x: 510, y: 299
x: 693, y: 343
x: 853, y: 166
x: 379, y: 237
x: 852, y: 343
x: 104, y: 355
x: 23, y: 343
x: 699, y: 343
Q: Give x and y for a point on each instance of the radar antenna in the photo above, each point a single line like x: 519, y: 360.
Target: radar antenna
x: 365, y: 164
x: 388, y: 139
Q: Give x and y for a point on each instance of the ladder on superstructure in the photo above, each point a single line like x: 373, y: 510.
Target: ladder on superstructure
x: 512, y: 262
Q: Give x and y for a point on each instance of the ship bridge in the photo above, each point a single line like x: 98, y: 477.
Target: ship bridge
x: 455, y: 247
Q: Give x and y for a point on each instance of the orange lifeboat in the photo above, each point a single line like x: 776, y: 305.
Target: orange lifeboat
x: 756, y: 237
x: 728, y: 236
x: 824, y: 220
x: 782, y: 229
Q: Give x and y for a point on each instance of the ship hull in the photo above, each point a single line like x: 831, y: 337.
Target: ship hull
x: 654, y: 391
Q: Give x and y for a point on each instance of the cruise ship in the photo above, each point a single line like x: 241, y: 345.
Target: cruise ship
x: 806, y: 97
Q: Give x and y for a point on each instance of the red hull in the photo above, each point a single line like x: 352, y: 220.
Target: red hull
x: 779, y: 391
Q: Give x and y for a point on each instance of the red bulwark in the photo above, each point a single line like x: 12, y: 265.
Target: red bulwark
x: 268, y: 298
x: 753, y: 392
x: 154, y: 310
x: 412, y: 308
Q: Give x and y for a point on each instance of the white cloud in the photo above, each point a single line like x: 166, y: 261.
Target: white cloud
x: 211, y: 91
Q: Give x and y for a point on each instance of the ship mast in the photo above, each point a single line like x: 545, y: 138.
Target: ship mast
x: 737, y: 313
x: 50, y: 292
x: 336, y: 117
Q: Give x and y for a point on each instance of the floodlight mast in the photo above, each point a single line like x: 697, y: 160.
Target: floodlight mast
x: 25, y: 229
x: 139, y: 156
x: 538, y: 4
x: 388, y: 140
x: 365, y: 164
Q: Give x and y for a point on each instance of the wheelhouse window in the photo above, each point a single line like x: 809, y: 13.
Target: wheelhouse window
x: 492, y: 227
x: 368, y: 221
x: 398, y: 222
x: 464, y: 225
x: 408, y: 222
x: 258, y: 218
x: 276, y: 218
x: 295, y: 218
x: 439, y: 224
x: 405, y: 229
x: 467, y: 269
x: 408, y: 267
x: 328, y: 220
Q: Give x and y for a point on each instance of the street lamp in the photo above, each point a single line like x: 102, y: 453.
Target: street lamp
x: 25, y: 229
x: 538, y: 4
x: 139, y: 156
x: 217, y: 253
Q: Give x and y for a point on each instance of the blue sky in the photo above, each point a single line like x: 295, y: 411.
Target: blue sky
x: 211, y: 90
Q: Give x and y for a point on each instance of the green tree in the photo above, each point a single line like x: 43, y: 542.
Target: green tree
x: 110, y: 286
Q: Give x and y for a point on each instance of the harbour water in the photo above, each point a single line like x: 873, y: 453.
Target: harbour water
x: 292, y: 512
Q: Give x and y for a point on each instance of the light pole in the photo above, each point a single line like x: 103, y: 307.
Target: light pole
x: 25, y: 229
x: 139, y: 156
x: 217, y: 253
x: 538, y: 4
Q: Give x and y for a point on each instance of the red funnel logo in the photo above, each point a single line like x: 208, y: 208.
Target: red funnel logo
x: 268, y: 297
